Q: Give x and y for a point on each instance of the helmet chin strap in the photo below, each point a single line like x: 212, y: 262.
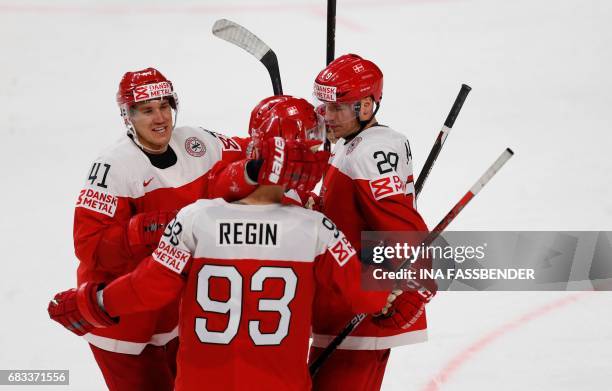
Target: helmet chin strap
x: 131, y: 133
x: 364, y: 123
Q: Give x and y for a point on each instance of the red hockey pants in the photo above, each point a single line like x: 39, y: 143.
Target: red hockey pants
x: 152, y: 370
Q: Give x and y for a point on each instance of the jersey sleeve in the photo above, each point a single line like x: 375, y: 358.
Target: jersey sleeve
x: 231, y: 148
x: 338, y: 266
x: 227, y: 178
x: 160, y: 277
x: 101, y: 217
x: 384, y: 190
x: 384, y: 187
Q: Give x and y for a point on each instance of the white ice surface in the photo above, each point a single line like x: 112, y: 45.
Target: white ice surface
x: 540, y: 72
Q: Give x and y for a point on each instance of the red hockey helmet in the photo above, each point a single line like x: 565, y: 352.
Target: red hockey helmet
x: 141, y: 86
x: 284, y: 116
x: 263, y: 108
x: 348, y: 79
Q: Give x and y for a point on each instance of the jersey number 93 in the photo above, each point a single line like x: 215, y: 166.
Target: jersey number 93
x: 233, y: 306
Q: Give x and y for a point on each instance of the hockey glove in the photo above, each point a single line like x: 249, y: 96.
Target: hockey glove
x: 78, y: 309
x: 403, y: 309
x: 291, y: 163
x: 145, y: 229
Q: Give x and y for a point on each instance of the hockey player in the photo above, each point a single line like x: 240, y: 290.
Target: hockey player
x: 245, y: 272
x: 367, y: 187
x: 132, y: 191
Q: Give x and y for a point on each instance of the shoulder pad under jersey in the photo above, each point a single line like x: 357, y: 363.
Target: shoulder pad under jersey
x: 380, y: 152
x: 333, y: 240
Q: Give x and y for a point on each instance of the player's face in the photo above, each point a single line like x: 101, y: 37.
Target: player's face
x: 153, y: 123
x: 340, y: 119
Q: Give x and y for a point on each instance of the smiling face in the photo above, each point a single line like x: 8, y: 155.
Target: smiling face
x: 152, y: 121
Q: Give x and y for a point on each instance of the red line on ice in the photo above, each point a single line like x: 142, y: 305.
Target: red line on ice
x: 467, y: 354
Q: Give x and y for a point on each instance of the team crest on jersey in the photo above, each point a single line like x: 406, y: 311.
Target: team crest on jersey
x: 195, y: 147
x: 353, y: 144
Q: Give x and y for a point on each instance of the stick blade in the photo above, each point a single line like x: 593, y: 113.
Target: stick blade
x: 493, y: 169
x: 240, y: 36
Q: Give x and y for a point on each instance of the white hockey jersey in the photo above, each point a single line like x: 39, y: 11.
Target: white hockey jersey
x: 122, y: 182
x: 368, y: 187
x: 247, y: 276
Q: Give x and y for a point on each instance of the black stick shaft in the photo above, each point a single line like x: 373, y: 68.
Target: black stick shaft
x: 454, y: 112
x: 331, y: 31
x: 270, y: 61
x: 437, y: 147
x: 330, y: 43
x: 333, y: 345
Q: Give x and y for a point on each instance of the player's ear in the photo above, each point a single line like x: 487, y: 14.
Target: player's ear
x: 367, y: 107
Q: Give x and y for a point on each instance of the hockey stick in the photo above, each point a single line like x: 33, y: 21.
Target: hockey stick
x: 435, y: 150
x: 238, y: 35
x: 331, y: 31
x: 330, y: 44
x: 450, y: 216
